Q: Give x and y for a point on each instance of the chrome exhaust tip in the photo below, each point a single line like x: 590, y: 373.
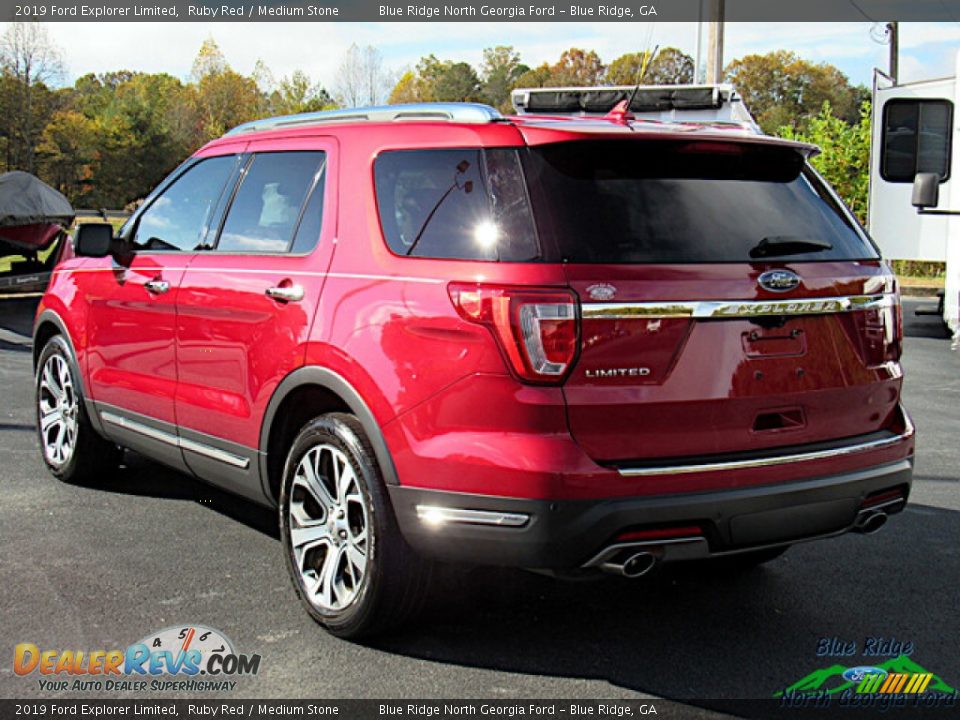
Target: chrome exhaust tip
x: 636, y: 565
x: 869, y: 523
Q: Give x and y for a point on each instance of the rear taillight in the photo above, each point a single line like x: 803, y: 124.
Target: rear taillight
x: 536, y: 329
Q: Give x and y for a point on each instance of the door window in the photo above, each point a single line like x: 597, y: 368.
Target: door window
x: 179, y: 218
x: 269, y: 205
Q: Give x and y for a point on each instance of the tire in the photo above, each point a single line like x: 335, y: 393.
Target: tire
x: 72, y: 450
x: 352, y: 569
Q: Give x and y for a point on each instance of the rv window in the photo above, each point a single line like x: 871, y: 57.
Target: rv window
x: 916, y: 139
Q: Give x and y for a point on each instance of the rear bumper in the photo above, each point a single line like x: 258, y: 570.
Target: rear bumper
x: 565, y: 535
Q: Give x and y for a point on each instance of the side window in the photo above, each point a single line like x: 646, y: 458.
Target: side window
x: 464, y: 204
x: 916, y: 138
x: 269, y: 204
x: 179, y: 218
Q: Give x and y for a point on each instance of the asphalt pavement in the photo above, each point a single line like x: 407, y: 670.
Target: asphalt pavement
x: 101, y: 567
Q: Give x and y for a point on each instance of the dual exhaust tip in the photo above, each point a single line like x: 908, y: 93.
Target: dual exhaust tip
x: 638, y: 564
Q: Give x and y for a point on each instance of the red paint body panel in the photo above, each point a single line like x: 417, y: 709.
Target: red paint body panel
x: 210, y: 354
x: 131, y: 354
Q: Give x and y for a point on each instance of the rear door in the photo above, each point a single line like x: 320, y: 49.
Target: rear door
x: 246, y: 306
x: 729, y: 302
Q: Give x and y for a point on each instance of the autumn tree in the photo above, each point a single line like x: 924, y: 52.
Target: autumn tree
x: 435, y: 80
x: 297, y: 94
x: 29, y: 61
x: 781, y: 89
x: 458, y: 82
x: 362, y: 78
x: 222, y: 97
x: 499, y: 73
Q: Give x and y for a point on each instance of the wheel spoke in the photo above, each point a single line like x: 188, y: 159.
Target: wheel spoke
x: 311, y: 481
x: 345, y: 481
x: 310, y: 534
x: 49, y: 418
x: 51, y: 383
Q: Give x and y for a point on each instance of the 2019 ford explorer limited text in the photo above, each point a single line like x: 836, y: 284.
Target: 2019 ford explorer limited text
x: 434, y: 333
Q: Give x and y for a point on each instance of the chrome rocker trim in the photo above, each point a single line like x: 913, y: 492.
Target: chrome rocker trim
x: 175, y: 441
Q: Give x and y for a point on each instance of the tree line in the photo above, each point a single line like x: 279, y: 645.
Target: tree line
x: 109, y: 138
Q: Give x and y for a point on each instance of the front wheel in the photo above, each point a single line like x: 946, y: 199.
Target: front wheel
x: 71, y: 448
x: 352, y: 570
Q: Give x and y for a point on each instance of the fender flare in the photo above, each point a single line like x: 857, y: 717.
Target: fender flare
x: 337, y: 384
x: 51, y: 316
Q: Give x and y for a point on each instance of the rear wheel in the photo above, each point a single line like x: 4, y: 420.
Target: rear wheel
x: 352, y: 569
x: 71, y: 448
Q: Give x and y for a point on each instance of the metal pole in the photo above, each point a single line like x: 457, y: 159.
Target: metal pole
x: 894, y: 30
x: 697, y: 78
x: 715, y: 44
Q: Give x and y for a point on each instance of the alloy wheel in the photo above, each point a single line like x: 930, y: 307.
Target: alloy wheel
x: 59, y: 407
x: 329, y: 523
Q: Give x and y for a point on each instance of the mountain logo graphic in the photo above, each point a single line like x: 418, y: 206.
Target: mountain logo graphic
x: 897, y: 675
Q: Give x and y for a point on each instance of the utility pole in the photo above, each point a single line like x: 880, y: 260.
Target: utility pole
x: 715, y: 43
x: 893, y: 29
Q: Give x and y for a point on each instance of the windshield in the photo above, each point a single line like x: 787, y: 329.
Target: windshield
x: 686, y: 202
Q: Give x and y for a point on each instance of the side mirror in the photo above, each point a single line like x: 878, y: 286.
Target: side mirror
x: 93, y: 239
x: 926, y: 190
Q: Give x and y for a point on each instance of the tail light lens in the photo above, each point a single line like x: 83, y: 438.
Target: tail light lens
x: 536, y: 329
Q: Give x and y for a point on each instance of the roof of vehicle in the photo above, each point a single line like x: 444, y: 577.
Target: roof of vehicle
x: 535, y: 129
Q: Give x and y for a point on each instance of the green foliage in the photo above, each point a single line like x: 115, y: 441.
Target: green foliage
x: 781, y: 89
x: 669, y: 66
x: 845, y: 160
x: 925, y: 269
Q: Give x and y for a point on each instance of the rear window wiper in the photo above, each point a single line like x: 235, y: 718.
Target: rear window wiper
x: 776, y: 245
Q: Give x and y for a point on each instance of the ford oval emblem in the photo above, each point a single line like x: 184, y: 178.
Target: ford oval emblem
x: 856, y: 674
x: 779, y: 280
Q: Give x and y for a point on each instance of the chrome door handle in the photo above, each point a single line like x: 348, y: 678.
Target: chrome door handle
x: 286, y: 293
x: 157, y: 287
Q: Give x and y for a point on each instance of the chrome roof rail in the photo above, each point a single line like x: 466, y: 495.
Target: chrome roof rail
x: 450, y: 112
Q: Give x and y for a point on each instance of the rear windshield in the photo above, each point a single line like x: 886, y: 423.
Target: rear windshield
x: 685, y: 202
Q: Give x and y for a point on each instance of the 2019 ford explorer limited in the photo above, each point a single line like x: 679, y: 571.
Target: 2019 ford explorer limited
x: 567, y: 344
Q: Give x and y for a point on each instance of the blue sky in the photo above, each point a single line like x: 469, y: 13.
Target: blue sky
x: 927, y: 49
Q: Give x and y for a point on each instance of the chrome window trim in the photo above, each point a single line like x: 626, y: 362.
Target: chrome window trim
x: 772, y: 460
x: 174, y: 440
x: 707, y: 309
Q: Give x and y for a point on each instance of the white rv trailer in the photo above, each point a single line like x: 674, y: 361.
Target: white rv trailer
x: 915, y: 127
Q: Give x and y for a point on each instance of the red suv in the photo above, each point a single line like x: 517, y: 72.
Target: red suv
x: 578, y: 345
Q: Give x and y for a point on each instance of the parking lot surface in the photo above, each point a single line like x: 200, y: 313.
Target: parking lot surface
x: 100, y: 568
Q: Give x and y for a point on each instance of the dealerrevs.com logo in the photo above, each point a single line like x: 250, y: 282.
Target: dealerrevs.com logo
x: 186, y: 658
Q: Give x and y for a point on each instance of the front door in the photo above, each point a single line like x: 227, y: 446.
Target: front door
x: 132, y: 299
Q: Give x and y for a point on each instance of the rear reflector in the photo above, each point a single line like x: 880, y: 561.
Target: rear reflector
x: 536, y: 329
x: 661, y: 533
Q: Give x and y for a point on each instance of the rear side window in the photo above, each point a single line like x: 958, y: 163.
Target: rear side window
x: 269, y: 204
x: 686, y: 202
x: 916, y: 139
x: 466, y: 204
x: 178, y: 219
